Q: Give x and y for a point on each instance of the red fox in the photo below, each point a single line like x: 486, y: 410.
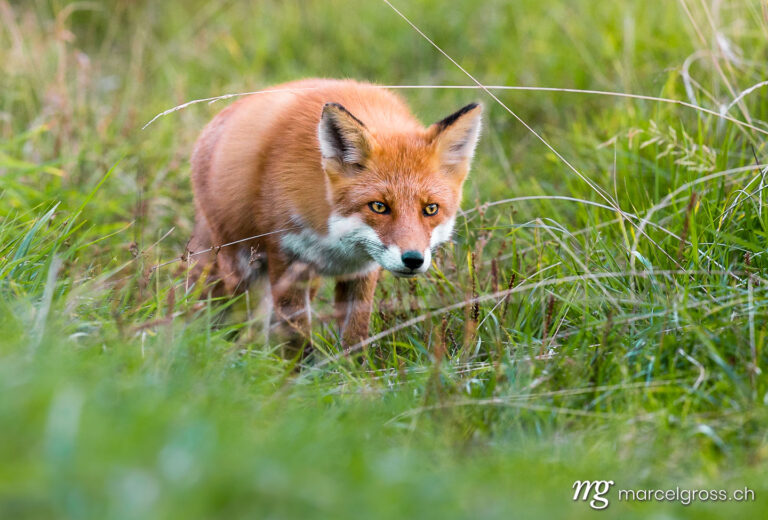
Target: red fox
x: 340, y: 180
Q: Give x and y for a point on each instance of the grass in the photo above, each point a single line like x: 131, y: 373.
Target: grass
x: 605, y: 321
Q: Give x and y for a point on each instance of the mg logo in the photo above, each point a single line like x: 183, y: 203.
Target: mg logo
x: 598, y: 489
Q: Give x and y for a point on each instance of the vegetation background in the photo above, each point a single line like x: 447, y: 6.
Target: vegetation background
x: 608, y: 322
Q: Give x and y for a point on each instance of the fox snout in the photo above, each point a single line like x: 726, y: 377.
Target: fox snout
x: 405, y: 263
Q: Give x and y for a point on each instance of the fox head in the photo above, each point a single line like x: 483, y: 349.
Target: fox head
x: 394, y: 193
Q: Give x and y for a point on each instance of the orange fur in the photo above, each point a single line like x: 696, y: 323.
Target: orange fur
x: 259, y: 166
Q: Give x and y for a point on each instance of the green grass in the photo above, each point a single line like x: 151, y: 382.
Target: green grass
x: 630, y: 345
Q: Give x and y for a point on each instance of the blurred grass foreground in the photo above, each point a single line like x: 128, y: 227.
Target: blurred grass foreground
x: 612, y: 312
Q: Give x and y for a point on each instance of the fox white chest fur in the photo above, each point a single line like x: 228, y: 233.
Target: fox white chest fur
x: 339, y: 252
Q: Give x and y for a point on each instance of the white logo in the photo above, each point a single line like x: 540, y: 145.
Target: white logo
x: 600, y: 487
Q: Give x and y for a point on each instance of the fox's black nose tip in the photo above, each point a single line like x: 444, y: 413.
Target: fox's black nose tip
x: 413, y: 259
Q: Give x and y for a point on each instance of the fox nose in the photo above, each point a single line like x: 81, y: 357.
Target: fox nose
x: 413, y: 259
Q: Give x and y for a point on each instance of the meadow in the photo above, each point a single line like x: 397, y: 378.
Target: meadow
x: 601, y: 314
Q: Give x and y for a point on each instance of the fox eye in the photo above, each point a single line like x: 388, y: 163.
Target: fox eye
x: 378, y: 207
x: 430, y: 210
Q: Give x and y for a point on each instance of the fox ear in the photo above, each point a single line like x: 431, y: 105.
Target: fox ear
x: 343, y: 137
x: 456, y: 136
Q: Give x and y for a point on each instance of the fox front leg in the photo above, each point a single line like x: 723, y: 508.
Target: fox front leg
x: 353, y: 303
x: 291, y: 287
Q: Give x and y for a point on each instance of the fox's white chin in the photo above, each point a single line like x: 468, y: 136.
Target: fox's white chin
x: 403, y: 274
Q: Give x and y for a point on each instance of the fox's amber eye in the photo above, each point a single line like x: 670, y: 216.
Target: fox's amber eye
x: 431, y: 209
x: 378, y: 207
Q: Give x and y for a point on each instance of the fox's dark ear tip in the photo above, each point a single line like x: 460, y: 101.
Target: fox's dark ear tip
x: 448, y: 121
x: 472, y: 107
x: 334, y: 109
x: 331, y: 105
